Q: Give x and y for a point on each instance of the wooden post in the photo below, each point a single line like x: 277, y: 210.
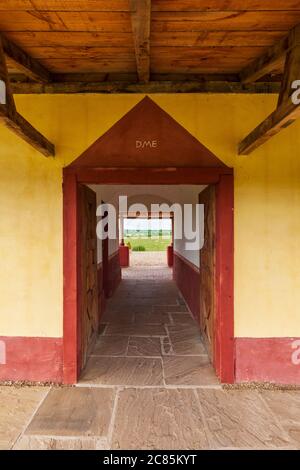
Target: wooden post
x: 291, y: 68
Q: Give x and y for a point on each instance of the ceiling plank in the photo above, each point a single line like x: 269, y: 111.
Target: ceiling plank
x: 140, y: 20
x: 224, y: 21
x: 24, y: 63
x: 226, y: 5
x: 30, y: 39
x: 65, y: 5
x: 158, y: 5
x: 115, y: 21
x: 287, y: 111
x: 14, y: 121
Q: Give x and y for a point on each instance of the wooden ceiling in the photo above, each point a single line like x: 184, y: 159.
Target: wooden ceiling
x: 96, y: 40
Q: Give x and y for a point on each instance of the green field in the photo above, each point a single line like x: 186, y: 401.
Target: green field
x: 150, y: 244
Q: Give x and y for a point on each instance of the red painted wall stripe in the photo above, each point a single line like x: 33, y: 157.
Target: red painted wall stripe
x: 268, y: 360
x: 114, y: 272
x: 33, y: 359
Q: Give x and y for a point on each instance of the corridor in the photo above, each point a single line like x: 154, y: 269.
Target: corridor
x: 148, y: 336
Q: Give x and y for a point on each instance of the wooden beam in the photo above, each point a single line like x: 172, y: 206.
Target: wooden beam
x: 24, y: 63
x: 14, y: 121
x: 271, y: 61
x: 140, y: 21
x: 279, y: 119
x: 27, y: 132
x: 287, y: 111
x: 209, y: 86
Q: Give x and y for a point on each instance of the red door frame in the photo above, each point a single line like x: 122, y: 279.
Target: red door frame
x: 224, y: 180
x: 105, y: 262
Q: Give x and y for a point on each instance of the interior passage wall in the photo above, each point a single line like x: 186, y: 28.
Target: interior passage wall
x: 113, y: 243
x: 267, y: 206
x: 189, y: 236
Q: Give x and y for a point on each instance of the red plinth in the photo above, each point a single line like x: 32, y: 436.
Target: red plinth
x: 124, y: 256
x: 170, y: 255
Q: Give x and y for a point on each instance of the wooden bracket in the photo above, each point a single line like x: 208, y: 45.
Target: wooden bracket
x: 14, y: 121
x: 287, y: 111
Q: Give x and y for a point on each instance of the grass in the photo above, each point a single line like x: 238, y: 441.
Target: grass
x: 150, y: 244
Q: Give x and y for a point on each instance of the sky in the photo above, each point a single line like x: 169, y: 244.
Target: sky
x: 145, y: 224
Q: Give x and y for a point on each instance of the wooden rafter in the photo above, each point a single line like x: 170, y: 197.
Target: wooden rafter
x: 287, y: 111
x: 14, y: 121
x: 140, y: 20
x: 156, y: 86
x: 24, y: 63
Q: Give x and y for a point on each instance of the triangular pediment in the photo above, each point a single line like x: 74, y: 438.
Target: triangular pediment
x: 147, y: 136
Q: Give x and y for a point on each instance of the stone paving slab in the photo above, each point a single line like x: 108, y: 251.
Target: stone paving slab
x: 240, y: 419
x: 123, y: 371
x: 188, y: 370
x: 158, y: 419
x: 18, y: 405
x: 285, y: 405
x: 71, y: 411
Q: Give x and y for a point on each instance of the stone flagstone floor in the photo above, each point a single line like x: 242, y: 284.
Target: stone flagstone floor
x: 148, y: 384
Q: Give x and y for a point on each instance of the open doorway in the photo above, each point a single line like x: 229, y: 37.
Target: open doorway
x: 148, y: 240
x: 152, y: 313
x: 148, y: 334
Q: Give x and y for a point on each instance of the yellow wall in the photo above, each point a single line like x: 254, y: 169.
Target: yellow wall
x: 267, y: 206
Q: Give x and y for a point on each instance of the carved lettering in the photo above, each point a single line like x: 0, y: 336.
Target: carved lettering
x: 141, y: 144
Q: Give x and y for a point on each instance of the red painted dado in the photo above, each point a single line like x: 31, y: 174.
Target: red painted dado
x: 124, y: 256
x: 33, y: 359
x: 113, y: 280
x: 170, y: 255
x: 268, y: 360
x: 187, y: 277
x: 101, y: 293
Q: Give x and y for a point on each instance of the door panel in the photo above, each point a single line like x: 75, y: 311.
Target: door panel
x: 207, y: 269
x: 88, y: 271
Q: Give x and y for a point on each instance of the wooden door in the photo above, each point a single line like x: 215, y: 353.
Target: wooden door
x: 207, y: 269
x: 88, y: 271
